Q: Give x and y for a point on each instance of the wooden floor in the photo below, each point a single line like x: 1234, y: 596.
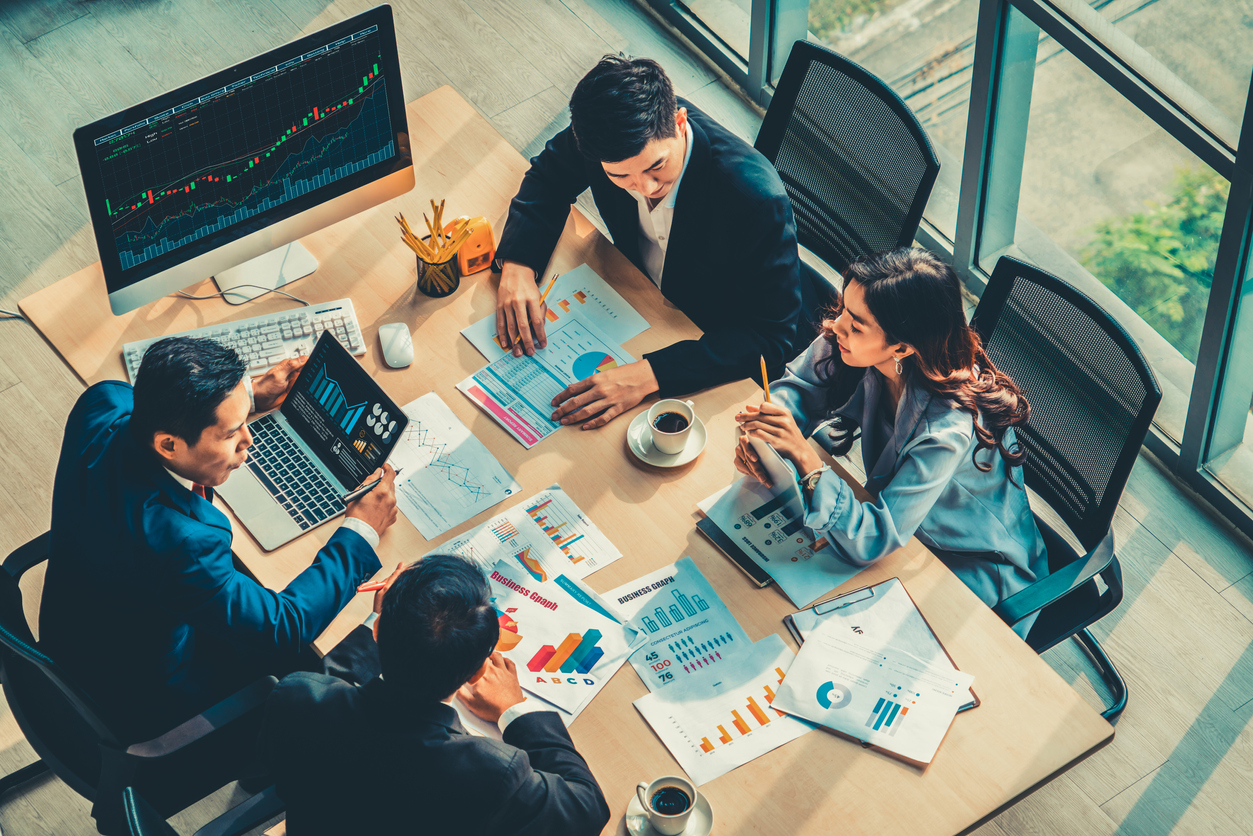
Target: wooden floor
x: 1183, y: 756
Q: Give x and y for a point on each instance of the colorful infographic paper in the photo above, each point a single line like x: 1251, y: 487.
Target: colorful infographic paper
x: 448, y: 475
x: 517, y: 392
x: 547, y: 535
x: 688, y: 630
x: 712, y: 730
x: 879, y: 695
x: 581, y: 292
x: 564, y: 650
x: 771, y: 531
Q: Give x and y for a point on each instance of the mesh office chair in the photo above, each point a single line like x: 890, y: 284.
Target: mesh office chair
x: 1092, y: 397
x: 65, y: 728
x: 856, y: 163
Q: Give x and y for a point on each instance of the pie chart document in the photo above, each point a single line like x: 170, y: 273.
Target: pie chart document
x: 881, y: 695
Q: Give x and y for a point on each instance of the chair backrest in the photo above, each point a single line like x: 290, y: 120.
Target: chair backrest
x: 1092, y: 393
x: 59, y: 719
x: 141, y: 819
x: 856, y: 163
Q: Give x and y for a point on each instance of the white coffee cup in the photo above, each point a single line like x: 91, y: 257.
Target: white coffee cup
x: 671, y: 442
x: 669, y: 824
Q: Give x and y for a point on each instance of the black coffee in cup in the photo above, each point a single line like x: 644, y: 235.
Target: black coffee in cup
x: 670, y: 422
x: 670, y: 801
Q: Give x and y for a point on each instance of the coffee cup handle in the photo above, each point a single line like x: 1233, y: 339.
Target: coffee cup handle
x: 640, y: 789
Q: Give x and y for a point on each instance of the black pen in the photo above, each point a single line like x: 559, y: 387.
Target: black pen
x: 353, y: 496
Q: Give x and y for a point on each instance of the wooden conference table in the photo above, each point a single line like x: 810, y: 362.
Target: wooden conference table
x: 1031, y: 724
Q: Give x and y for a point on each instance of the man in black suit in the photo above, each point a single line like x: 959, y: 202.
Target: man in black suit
x: 697, y: 209
x: 391, y: 756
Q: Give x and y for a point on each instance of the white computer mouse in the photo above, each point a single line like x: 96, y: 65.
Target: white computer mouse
x: 397, y: 344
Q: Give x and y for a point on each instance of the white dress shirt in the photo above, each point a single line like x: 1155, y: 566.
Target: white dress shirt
x: 655, y: 222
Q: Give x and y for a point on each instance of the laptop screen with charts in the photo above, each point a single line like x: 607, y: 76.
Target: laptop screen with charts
x: 336, y: 427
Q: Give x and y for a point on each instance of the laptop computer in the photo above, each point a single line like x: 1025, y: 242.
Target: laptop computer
x: 335, y: 428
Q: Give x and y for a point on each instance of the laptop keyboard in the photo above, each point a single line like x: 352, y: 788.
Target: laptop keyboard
x: 290, y: 475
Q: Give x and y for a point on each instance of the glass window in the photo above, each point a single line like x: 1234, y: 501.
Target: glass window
x: 730, y: 20
x: 1104, y: 188
x: 1197, y: 52
x: 925, y: 52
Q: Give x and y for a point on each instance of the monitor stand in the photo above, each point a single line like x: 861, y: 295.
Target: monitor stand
x: 260, y: 275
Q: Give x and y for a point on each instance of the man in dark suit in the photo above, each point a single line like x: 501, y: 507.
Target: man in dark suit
x: 391, y: 756
x: 693, y: 206
x: 142, y: 602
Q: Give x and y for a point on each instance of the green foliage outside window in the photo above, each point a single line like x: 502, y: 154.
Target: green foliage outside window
x: 827, y: 17
x: 1161, y: 261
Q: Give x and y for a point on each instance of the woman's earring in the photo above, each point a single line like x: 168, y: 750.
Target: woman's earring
x: 900, y: 370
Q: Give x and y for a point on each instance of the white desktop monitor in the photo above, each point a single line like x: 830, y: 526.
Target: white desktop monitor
x: 220, y: 176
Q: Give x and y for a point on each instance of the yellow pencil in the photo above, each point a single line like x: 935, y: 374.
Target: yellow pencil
x: 551, y: 282
x: 765, y: 381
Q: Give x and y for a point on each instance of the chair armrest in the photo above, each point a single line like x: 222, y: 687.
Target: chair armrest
x: 243, y: 817
x: 1058, y: 584
x: 27, y: 555
x: 197, y: 728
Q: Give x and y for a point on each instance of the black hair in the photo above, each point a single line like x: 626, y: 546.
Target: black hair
x: 437, y: 626
x: 621, y: 106
x: 180, y: 385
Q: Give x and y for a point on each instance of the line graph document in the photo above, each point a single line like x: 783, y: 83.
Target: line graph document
x: 449, y: 476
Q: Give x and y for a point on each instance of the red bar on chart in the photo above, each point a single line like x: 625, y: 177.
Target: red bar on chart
x: 150, y: 195
x: 739, y: 723
x: 540, y: 658
x: 725, y: 738
x: 705, y: 745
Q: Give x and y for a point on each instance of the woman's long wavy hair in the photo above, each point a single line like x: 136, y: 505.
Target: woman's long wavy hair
x: 916, y: 299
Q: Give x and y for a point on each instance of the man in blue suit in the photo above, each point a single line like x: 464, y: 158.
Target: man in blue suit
x: 697, y: 209
x: 142, y: 601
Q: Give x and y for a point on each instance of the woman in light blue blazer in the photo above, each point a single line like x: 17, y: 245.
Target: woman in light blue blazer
x: 896, y: 359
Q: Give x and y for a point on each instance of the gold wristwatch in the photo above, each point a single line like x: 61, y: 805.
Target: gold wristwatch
x: 810, y: 480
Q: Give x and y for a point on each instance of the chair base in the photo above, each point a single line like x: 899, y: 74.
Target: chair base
x: 1109, y: 674
x: 29, y: 772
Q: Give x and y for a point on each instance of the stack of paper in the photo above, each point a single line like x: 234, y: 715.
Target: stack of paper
x: 873, y: 676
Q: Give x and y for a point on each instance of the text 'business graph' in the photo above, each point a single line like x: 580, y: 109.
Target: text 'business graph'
x: 230, y: 155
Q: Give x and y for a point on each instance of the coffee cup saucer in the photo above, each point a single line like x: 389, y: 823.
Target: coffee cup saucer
x: 640, y: 440
x: 700, y: 823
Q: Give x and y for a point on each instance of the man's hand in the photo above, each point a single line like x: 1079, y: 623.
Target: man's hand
x: 605, y: 395
x: 774, y: 424
x: 495, y: 691
x: 378, y: 507
x: 271, y: 388
x: 519, y: 314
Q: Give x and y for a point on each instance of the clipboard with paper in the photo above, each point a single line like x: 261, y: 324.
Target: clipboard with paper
x: 885, y: 614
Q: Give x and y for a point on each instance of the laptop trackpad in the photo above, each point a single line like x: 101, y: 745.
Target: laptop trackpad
x: 260, y: 512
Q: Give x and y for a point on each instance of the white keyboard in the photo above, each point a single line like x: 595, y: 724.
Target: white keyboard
x: 263, y: 341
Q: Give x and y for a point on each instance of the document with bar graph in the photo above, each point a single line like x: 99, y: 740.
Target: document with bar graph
x: 565, y: 651
x: 712, y: 729
x: 874, y: 692
x: 768, y: 528
x: 578, y: 293
x: 547, y: 535
x: 688, y: 631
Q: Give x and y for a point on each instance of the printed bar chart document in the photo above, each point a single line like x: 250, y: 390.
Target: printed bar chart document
x: 547, y: 535
x: 687, y: 629
x: 565, y: 651
x: 580, y: 291
x: 517, y: 392
x: 875, y: 692
x: 770, y: 530
x: 449, y: 476
x: 713, y: 728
